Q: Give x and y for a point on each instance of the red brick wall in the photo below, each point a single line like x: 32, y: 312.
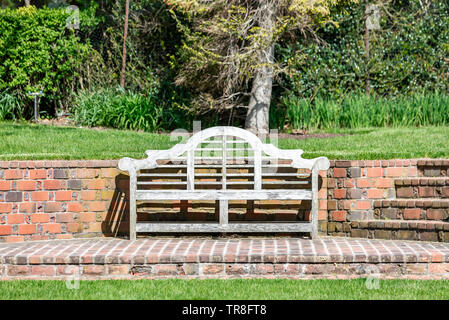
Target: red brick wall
x: 353, y: 186
x: 64, y: 199
x: 56, y: 199
x: 389, y: 199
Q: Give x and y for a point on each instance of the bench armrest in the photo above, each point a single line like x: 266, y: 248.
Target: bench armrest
x: 321, y: 163
x: 130, y: 164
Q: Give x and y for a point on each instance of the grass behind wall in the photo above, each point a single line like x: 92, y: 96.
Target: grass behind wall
x: 23, y: 141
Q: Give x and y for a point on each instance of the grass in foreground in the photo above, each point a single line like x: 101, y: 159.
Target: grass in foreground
x: 260, y: 289
x: 34, y: 142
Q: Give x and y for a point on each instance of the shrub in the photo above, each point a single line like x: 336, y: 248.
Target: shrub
x: 38, y: 52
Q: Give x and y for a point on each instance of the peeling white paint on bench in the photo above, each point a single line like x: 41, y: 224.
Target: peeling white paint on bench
x: 257, y: 158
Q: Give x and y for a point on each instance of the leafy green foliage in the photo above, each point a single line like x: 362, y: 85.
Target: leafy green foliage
x: 318, y: 85
x: 10, y: 108
x: 359, y: 111
x: 120, y: 109
x: 38, y: 52
x: 224, y: 41
x: 408, y: 54
x: 151, y: 46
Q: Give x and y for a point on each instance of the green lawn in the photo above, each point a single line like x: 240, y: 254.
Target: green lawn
x: 264, y: 289
x: 32, y: 142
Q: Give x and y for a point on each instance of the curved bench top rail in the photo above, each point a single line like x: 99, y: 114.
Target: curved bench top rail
x: 134, y: 165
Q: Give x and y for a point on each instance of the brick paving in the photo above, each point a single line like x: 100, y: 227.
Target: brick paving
x: 103, y: 257
x: 179, y: 250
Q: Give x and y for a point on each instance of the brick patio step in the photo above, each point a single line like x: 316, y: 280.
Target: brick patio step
x: 431, y: 209
x: 424, y: 187
x: 420, y: 230
x: 412, y: 203
x: 433, y: 167
x: 337, y: 257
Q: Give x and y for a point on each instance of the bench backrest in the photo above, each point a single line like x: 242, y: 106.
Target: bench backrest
x: 223, y: 158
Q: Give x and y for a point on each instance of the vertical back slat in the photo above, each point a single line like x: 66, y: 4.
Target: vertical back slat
x: 224, y: 163
x: 257, y: 169
x: 190, y: 169
x: 224, y: 219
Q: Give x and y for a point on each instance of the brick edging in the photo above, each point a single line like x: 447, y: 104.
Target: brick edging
x: 223, y: 270
x: 58, y: 164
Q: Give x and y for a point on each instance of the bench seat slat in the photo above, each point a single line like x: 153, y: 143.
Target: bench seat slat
x: 230, y: 227
x: 275, y: 194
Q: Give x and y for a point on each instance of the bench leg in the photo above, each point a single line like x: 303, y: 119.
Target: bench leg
x: 224, y: 205
x: 314, y: 234
x: 132, y: 207
x: 132, y: 220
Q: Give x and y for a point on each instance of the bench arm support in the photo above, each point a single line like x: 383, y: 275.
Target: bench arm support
x: 320, y: 163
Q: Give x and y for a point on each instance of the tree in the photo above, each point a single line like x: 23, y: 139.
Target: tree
x: 229, y: 49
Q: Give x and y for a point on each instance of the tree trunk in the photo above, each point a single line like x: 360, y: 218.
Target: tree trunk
x: 27, y: 3
x: 125, y: 35
x: 257, y: 118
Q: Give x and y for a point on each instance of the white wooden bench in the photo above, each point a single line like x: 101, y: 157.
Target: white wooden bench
x: 237, y: 166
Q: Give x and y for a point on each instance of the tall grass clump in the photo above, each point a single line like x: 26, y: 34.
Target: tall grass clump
x: 10, y: 108
x: 119, y: 109
x: 360, y: 111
